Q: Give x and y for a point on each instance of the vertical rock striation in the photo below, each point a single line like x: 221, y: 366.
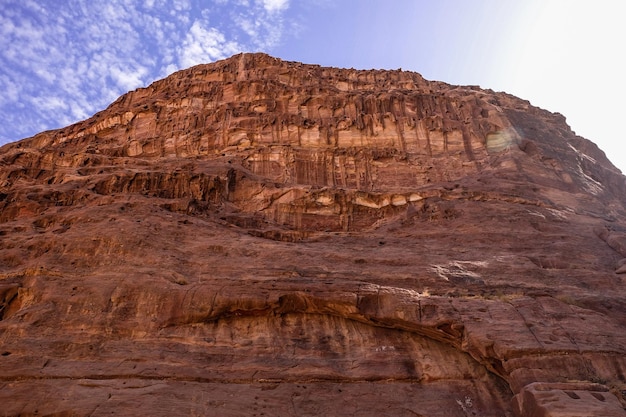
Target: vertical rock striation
x: 263, y: 237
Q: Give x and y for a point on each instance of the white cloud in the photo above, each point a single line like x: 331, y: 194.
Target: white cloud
x: 50, y: 103
x: 204, y: 45
x: 275, y: 5
x: 10, y: 88
x: 181, y: 5
x: 171, y: 68
x: 46, y: 75
x: 250, y: 27
x: 128, y: 78
x: 79, y: 111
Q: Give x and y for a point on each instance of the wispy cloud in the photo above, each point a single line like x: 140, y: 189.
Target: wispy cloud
x: 63, y: 61
x: 204, y: 44
x: 275, y: 5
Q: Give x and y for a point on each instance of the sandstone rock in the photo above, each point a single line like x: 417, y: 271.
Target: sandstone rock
x: 261, y: 237
x: 567, y: 399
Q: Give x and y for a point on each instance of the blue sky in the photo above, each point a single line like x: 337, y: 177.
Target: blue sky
x: 63, y: 60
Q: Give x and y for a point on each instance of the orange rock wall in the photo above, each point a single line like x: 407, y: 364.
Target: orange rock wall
x: 256, y: 237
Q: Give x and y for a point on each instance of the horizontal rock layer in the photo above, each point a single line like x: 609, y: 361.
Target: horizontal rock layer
x: 263, y: 237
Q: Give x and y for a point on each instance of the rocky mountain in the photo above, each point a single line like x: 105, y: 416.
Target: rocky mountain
x: 256, y: 237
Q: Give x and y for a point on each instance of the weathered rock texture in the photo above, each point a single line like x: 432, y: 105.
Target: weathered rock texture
x: 260, y: 237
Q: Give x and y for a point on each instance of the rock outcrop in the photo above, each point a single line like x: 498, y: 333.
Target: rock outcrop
x: 260, y: 237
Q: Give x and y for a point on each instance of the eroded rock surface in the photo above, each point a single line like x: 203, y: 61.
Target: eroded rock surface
x: 260, y: 237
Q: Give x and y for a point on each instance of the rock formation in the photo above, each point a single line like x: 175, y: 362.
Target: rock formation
x: 258, y: 237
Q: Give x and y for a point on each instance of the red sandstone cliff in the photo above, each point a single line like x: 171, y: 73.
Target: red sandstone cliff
x: 260, y: 237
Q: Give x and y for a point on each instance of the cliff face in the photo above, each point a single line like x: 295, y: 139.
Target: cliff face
x: 260, y: 237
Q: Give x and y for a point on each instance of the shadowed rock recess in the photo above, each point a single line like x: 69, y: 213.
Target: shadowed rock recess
x: 259, y: 237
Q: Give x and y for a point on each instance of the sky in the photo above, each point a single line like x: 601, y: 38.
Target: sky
x: 61, y: 61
